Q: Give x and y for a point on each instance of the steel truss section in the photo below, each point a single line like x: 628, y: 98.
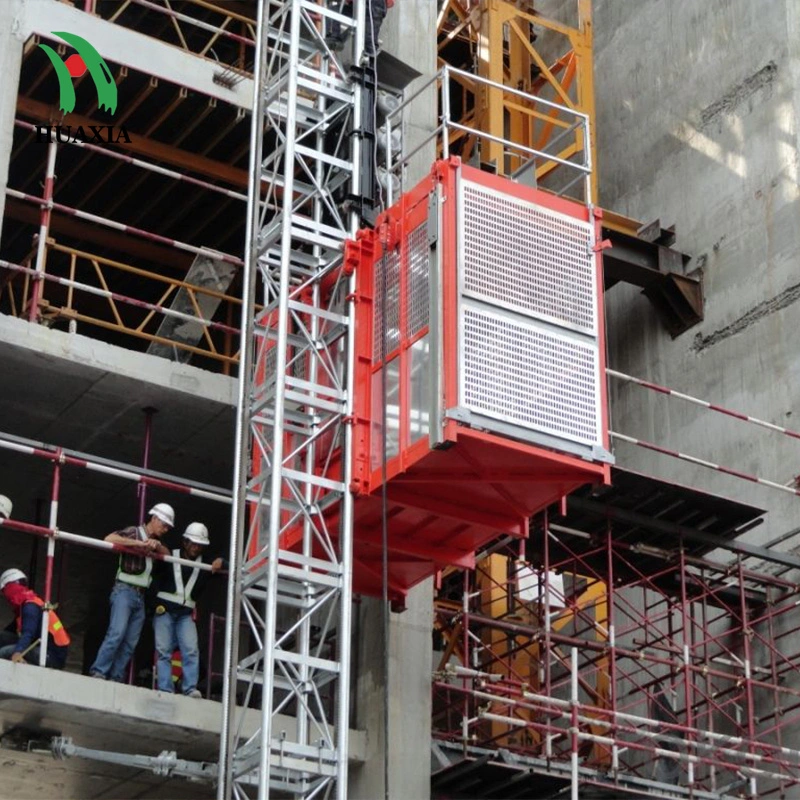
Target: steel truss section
x: 293, y: 583
x: 644, y: 669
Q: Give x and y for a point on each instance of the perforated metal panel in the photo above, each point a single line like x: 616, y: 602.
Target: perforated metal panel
x: 528, y: 258
x: 417, y: 312
x: 391, y: 330
x: 525, y: 374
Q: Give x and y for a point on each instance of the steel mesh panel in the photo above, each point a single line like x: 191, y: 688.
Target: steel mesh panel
x: 388, y: 326
x: 418, y: 275
x: 528, y: 258
x: 528, y: 376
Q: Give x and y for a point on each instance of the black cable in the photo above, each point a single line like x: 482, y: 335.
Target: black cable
x: 383, y: 255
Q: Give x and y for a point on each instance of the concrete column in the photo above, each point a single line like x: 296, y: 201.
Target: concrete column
x: 408, y: 33
x: 10, y: 64
x: 410, y: 666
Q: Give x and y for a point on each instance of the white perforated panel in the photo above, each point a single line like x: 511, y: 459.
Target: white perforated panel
x: 418, y: 277
x: 527, y: 258
x: 524, y: 374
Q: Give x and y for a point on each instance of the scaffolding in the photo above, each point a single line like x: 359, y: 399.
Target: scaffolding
x: 623, y: 653
x: 618, y: 650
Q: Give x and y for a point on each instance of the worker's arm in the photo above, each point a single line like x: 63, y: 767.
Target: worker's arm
x: 115, y: 538
x: 31, y: 627
x: 129, y: 537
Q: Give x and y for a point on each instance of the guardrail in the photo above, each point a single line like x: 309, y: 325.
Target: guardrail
x: 568, y: 150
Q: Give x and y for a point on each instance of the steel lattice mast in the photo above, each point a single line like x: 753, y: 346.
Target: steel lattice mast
x: 289, y: 610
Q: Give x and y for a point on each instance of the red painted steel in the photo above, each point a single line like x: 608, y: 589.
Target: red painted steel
x: 446, y: 503
x: 699, y: 632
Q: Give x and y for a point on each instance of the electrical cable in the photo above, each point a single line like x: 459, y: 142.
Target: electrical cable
x: 383, y: 255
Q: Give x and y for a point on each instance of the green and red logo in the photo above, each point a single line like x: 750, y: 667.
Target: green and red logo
x: 87, y: 58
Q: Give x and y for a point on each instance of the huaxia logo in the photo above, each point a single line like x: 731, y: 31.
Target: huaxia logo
x: 86, y: 59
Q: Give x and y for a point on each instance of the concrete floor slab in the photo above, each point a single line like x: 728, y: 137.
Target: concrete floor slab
x: 114, y: 717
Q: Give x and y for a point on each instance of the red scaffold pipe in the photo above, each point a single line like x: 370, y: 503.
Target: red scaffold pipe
x: 703, y: 463
x: 703, y: 403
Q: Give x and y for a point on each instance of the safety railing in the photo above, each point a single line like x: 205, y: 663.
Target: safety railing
x: 568, y: 151
x: 85, y: 288
x: 63, y: 459
x: 211, y: 30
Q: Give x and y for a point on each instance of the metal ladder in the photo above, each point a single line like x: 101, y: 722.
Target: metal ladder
x: 294, y: 440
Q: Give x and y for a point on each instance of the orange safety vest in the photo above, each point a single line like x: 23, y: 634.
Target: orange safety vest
x: 55, y: 627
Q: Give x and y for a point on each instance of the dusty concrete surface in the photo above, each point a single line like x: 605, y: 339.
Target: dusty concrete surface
x: 697, y: 125
x: 10, y: 63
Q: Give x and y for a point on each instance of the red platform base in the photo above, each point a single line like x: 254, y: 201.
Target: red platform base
x: 436, y: 509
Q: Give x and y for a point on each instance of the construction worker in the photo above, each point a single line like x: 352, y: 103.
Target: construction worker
x: 22, y: 644
x: 5, y: 507
x: 177, y: 588
x: 134, y: 575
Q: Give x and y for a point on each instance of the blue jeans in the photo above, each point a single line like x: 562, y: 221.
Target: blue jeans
x: 122, y: 636
x: 56, y: 656
x: 171, y: 631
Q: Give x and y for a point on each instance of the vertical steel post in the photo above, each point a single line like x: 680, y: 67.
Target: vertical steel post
x: 241, y: 458
x: 748, y: 670
x: 574, y: 697
x: 44, y: 229
x: 687, y: 662
x: 612, y: 646
x: 142, y: 487
x: 51, y: 552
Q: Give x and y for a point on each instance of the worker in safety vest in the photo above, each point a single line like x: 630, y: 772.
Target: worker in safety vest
x: 22, y: 643
x: 134, y: 575
x: 177, y: 588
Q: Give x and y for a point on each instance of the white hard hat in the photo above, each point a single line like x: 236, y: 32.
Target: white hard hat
x: 5, y: 506
x: 164, y: 512
x: 11, y: 575
x: 196, y: 532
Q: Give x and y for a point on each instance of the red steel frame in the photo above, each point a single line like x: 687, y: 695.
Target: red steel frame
x: 719, y: 644
x: 445, y: 504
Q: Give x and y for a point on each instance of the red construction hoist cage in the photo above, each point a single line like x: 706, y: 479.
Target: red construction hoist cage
x: 479, y: 315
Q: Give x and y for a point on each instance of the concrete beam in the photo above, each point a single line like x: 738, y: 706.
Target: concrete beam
x: 124, y: 46
x: 140, y: 145
x: 48, y: 345
x: 10, y: 65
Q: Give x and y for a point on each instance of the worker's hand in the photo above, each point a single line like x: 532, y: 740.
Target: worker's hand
x: 216, y: 565
x: 18, y: 658
x: 150, y: 545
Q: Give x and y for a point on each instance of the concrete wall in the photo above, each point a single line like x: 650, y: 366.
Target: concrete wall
x: 697, y: 124
x: 10, y: 63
